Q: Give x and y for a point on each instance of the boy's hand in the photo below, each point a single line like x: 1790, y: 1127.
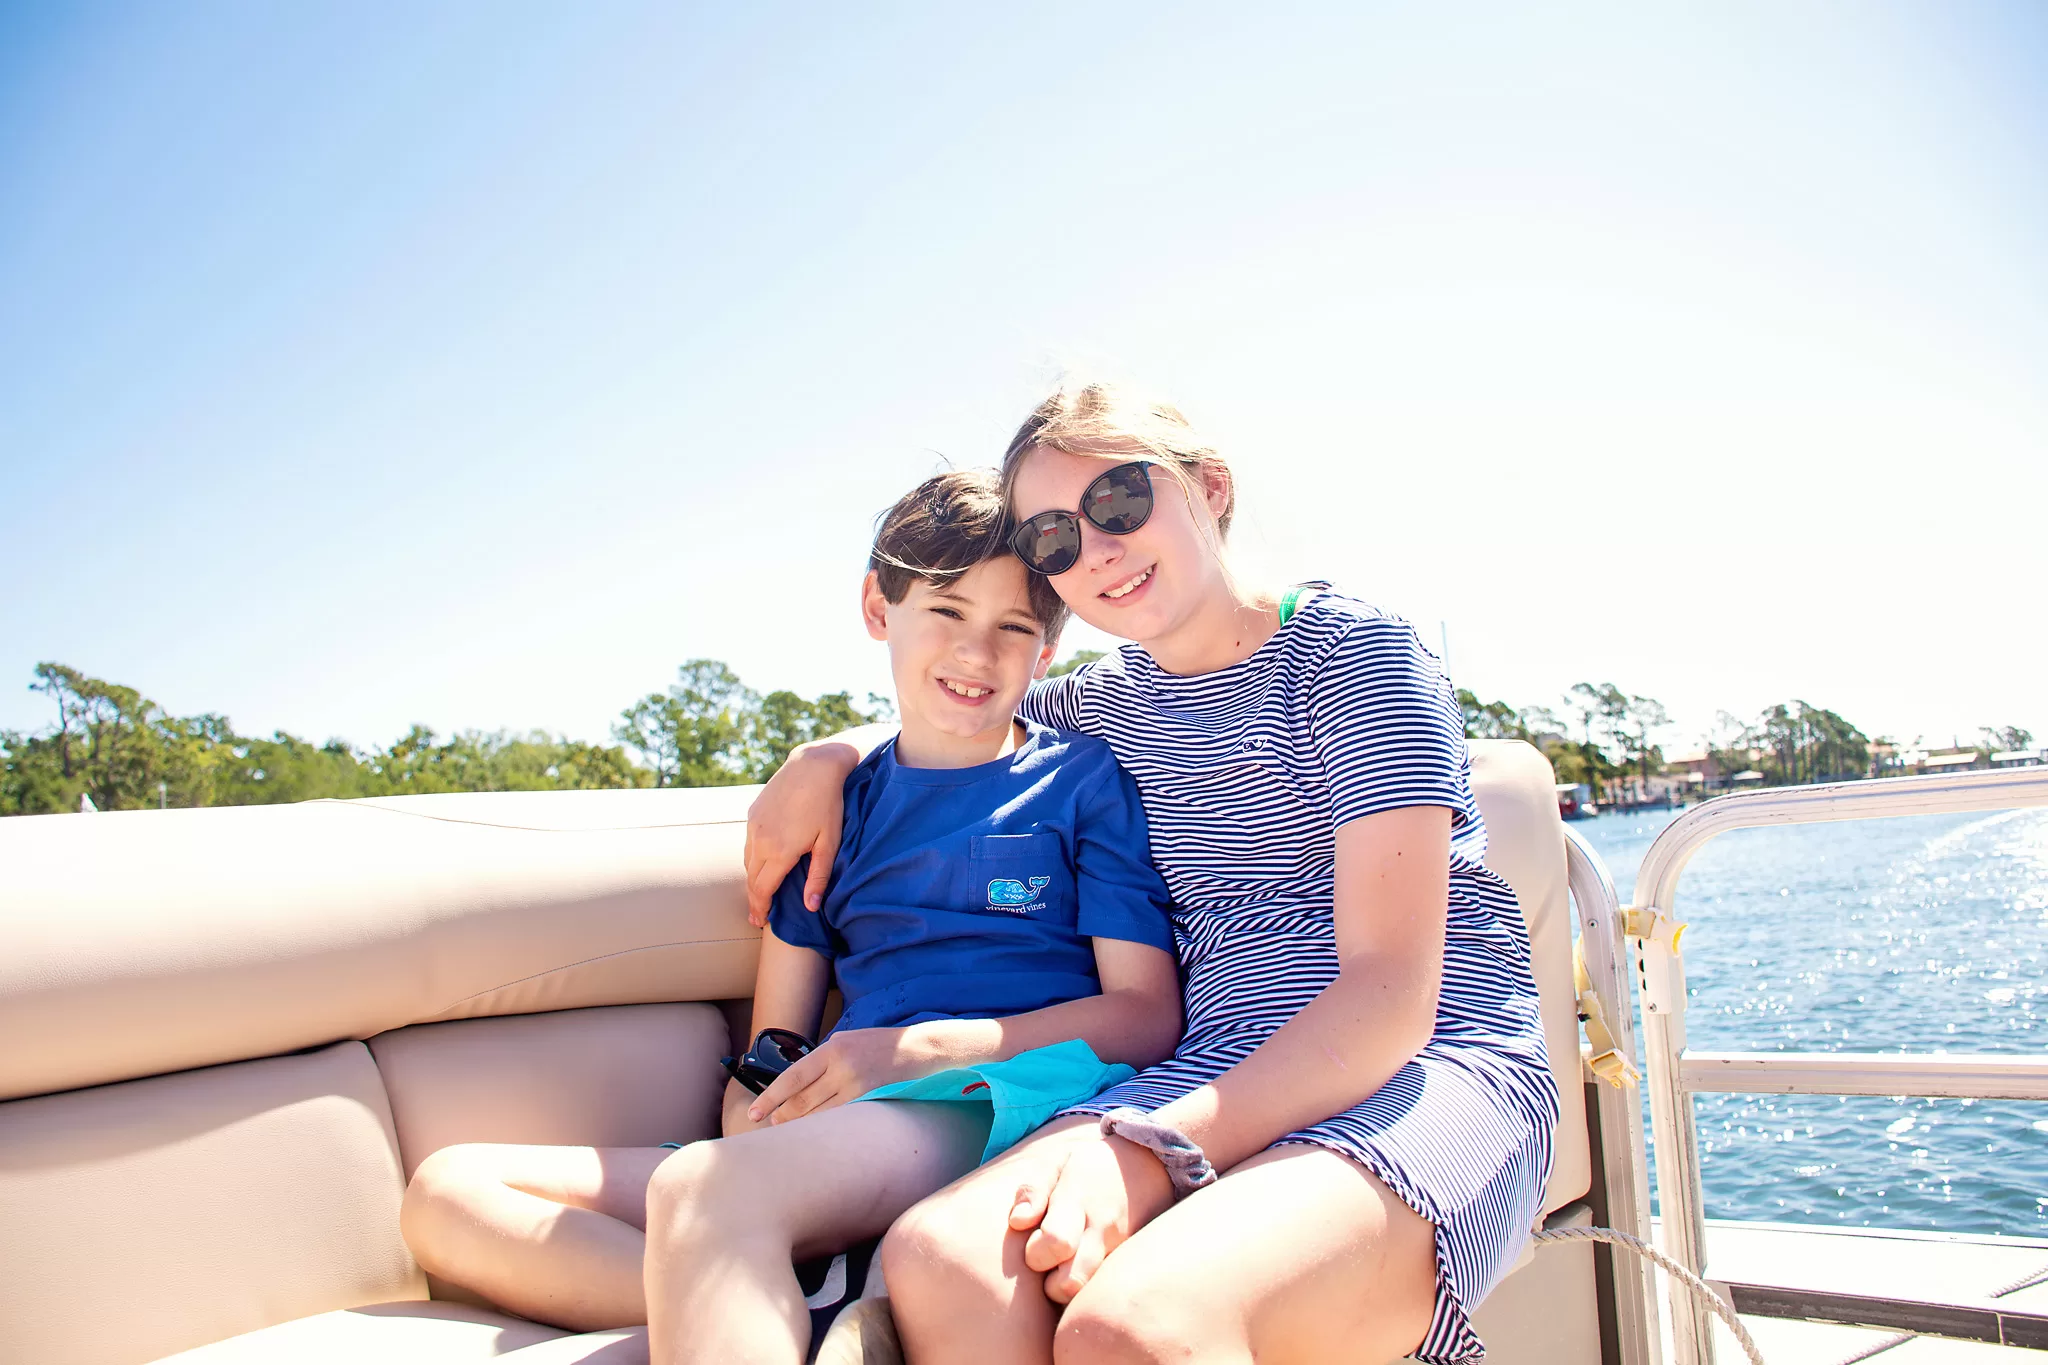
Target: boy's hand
x: 842, y: 1068
x: 1086, y: 1201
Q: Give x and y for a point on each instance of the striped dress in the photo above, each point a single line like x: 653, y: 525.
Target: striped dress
x: 1246, y: 773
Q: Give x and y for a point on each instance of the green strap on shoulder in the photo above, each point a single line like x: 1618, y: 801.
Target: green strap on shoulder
x: 1291, y: 601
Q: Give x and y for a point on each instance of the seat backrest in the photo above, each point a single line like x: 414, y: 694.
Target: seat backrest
x: 141, y: 942
x: 1525, y: 845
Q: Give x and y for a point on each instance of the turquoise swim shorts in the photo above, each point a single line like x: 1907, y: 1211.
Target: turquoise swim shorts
x: 1022, y: 1092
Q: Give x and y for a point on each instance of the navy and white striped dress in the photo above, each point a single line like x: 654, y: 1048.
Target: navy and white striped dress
x: 1246, y: 773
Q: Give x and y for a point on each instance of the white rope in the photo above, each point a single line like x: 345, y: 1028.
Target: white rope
x: 1701, y: 1290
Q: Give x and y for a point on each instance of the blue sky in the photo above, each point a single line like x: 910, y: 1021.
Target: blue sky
x: 475, y: 364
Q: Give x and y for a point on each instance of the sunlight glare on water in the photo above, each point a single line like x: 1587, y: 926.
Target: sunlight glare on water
x: 1919, y: 934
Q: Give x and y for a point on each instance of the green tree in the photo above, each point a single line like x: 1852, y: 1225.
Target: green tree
x: 1073, y: 661
x: 1797, y: 742
x: 1490, y: 719
x: 784, y: 720
x: 1577, y: 761
x: 2005, y: 738
x: 695, y: 734
x: 284, y: 768
x: 1602, y: 709
x: 112, y: 744
x: 1644, y: 717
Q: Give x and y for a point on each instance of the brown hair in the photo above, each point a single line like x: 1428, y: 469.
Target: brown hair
x: 1096, y: 418
x: 944, y: 527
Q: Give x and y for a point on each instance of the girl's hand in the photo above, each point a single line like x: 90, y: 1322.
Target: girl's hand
x: 1086, y: 1202
x: 798, y: 812
x: 842, y: 1068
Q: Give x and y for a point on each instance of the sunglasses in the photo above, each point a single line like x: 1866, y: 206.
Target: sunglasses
x: 774, y: 1051
x: 1119, y: 502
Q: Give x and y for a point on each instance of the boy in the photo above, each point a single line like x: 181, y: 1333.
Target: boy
x: 992, y: 898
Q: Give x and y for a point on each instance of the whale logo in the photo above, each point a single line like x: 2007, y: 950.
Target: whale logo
x: 1009, y: 892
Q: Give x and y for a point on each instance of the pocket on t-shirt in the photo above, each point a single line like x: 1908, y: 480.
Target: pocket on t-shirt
x: 1039, y: 844
x: 1022, y: 874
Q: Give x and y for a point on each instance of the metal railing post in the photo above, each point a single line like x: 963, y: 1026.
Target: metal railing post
x: 1627, y: 1169
x: 1654, y: 931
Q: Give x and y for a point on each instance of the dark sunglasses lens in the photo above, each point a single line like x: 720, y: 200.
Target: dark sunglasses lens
x: 1120, y: 500
x: 1049, y: 543
x: 778, y: 1048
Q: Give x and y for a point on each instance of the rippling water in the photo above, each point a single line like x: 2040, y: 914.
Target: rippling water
x: 1913, y: 934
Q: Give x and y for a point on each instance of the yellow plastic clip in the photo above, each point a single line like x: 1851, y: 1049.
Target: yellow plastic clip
x: 1606, y: 1059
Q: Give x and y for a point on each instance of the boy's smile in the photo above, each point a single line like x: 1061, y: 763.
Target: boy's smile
x: 962, y: 654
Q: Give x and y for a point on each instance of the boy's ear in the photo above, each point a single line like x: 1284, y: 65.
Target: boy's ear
x: 1045, y: 654
x: 874, y: 607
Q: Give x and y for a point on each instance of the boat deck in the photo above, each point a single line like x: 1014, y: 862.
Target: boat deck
x: 1978, y: 1280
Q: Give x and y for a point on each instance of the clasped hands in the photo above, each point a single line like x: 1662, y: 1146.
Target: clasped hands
x: 1083, y: 1200
x: 1076, y: 1202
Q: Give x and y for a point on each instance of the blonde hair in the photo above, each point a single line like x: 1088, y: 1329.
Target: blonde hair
x: 1101, y: 419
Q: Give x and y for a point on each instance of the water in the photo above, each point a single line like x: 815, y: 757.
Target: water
x: 1916, y: 934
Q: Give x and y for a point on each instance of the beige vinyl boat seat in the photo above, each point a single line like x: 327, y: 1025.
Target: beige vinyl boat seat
x: 232, y: 1034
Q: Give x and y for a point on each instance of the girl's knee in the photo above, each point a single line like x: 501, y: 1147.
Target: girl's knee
x: 1136, y: 1312
x: 1108, y: 1329
x: 928, y: 1255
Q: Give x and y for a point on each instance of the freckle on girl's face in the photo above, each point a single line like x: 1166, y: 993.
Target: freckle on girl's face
x: 1169, y: 558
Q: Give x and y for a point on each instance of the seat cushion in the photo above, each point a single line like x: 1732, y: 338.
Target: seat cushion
x: 616, y: 1076
x: 627, y: 1346
x: 415, y: 1333
x: 1547, y: 1310
x: 148, y: 1217
x: 144, y: 942
x: 1525, y: 844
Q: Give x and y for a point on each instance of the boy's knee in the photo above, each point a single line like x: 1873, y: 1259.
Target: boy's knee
x: 443, y: 1185
x: 448, y: 1169
x: 697, y: 1191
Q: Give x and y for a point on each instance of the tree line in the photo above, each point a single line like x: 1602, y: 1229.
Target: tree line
x: 113, y: 747
x: 1601, y: 735
x: 1791, y: 742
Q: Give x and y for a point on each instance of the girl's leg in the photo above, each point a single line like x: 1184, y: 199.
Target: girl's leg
x: 725, y: 1220
x: 956, y: 1274
x: 1297, y: 1256
x: 550, y: 1233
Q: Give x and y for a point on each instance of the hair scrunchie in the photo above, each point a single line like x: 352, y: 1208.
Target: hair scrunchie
x: 1187, y: 1166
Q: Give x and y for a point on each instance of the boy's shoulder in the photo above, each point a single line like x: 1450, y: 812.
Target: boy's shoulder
x: 1049, y: 746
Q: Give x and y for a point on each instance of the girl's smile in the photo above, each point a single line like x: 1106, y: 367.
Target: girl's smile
x: 1131, y: 588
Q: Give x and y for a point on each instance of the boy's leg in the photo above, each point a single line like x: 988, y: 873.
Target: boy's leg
x: 726, y: 1219
x: 550, y: 1233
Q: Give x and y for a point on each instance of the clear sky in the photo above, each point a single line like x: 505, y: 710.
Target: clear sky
x: 475, y: 364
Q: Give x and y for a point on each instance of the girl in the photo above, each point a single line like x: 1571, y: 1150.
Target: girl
x: 1363, y: 1063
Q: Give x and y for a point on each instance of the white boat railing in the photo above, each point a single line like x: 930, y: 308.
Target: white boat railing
x: 1617, y: 1123
x: 1653, y: 930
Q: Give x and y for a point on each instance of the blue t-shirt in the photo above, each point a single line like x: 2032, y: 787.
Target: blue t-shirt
x: 972, y: 893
